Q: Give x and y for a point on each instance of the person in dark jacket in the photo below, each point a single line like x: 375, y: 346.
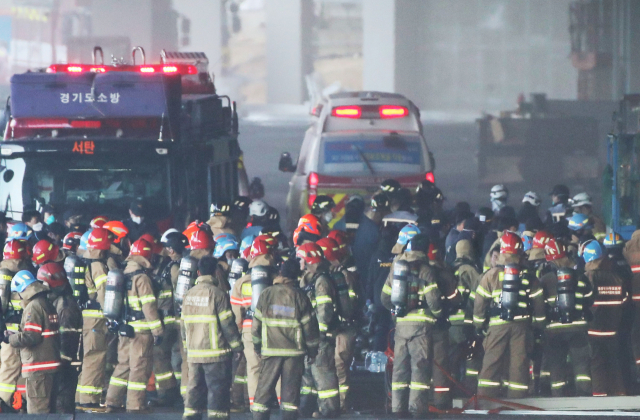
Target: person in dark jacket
x: 368, y: 233
x: 137, y: 222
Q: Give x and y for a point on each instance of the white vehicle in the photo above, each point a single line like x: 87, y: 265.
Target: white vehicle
x: 358, y: 140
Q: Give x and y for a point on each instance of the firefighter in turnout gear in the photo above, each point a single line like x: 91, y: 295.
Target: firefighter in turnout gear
x: 135, y: 351
x: 70, y: 327
x: 567, y: 295
x: 411, y: 293
x: 173, y: 245
x: 241, y: 302
x: 320, y: 374
x: 94, y: 324
x: 609, y: 295
x: 506, y: 300
x: 462, y: 331
x: 16, y: 258
x: 284, y: 330
x: 38, y: 342
x: 345, y: 284
x: 632, y: 255
x: 211, y: 335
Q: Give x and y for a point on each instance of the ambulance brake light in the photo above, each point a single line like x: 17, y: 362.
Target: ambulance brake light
x: 392, y: 111
x: 430, y: 177
x: 346, y: 112
x: 370, y: 111
x: 183, y: 69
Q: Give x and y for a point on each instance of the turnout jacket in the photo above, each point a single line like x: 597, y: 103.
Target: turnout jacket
x: 489, y: 294
x: 210, y: 330
x: 221, y: 278
x: 95, y: 278
x: 632, y: 255
x: 38, y: 339
x: 166, y: 282
x: 284, y: 324
x: 70, y: 324
x: 318, y: 285
x: 142, y: 311
x: 583, y: 294
x: 8, y: 269
x: 468, y: 280
x: 241, y: 293
x: 424, y: 290
x: 609, y: 294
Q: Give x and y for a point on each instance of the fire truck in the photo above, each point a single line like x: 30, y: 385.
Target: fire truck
x: 94, y: 137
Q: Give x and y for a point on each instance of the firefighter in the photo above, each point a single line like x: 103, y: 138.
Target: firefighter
x: 632, y: 256
x: 309, y: 230
x: 118, y: 247
x: 173, y: 245
x: 38, y: 342
x: 320, y: 376
x: 239, y: 214
x: 582, y: 203
x: 202, y: 244
x: 70, y: 323
x: 94, y: 324
x: 560, y: 208
x: 281, y: 354
x: 211, y: 335
x: 70, y: 243
x: 16, y: 258
x: 411, y: 294
x: 567, y: 295
x: 345, y: 284
x: 609, y: 294
x: 537, y: 259
x: 226, y: 250
x: 241, y: 301
x: 44, y: 251
x: 461, y: 331
x: 500, y: 304
x: 135, y: 351
x: 322, y: 208
x: 220, y: 220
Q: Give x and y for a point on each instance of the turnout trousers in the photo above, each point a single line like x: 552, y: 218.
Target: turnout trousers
x: 605, y: 366
x: 130, y: 377
x: 253, y: 365
x: 635, y: 337
x: 441, y: 385
x: 287, y: 370
x: 559, y: 345
x: 94, y: 342
x: 184, y: 374
x: 10, y: 369
x: 412, y: 364
x: 345, y: 346
x: 66, y: 384
x: 506, y: 360
x: 239, y: 391
x: 209, y: 390
x: 41, y: 393
x: 320, y: 380
x: 162, y: 368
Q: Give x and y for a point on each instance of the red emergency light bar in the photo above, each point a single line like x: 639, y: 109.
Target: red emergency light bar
x: 183, y: 69
x: 382, y: 111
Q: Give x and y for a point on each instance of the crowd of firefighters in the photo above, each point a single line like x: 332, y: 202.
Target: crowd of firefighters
x: 497, y: 302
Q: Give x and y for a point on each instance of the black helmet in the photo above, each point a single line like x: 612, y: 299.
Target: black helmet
x: 321, y: 204
x: 560, y: 190
x: 241, y: 205
x: 176, y: 241
x: 391, y: 187
x: 380, y: 202
x: 220, y: 208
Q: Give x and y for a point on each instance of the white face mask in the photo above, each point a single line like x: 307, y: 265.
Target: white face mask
x: 136, y: 219
x: 37, y: 227
x: 328, y: 217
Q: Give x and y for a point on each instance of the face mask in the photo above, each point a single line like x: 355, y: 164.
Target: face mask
x: 50, y: 219
x: 136, y: 219
x: 37, y: 227
x: 328, y: 217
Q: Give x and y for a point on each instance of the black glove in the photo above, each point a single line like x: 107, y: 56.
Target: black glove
x: 157, y: 340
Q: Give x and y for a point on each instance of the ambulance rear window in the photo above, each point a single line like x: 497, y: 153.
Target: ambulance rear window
x: 367, y: 154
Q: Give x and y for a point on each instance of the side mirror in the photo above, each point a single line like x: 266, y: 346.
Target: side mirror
x: 286, y: 163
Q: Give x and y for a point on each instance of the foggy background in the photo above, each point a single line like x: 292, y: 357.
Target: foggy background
x: 458, y: 60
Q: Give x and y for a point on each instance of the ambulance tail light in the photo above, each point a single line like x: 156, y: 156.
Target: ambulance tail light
x: 393, y: 111
x: 85, y: 124
x: 183, y: 69
x: 346, y: 112
x: 430, y: 177
x: 312, y: 181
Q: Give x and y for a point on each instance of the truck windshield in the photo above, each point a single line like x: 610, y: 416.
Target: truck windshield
x: 106, y: 183
x: 368, y: 154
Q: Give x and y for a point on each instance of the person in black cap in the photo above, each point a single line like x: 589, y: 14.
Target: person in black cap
x: 137, y: 223
x: 72, y: 218
x: 560, y: 208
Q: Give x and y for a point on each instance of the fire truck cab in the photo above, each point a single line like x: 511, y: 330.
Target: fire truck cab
x: 95, y: 137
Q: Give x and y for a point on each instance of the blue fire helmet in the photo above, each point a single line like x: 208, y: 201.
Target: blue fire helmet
x: 19, y: 231
x: 527, y: 242
x: 592, y: 251
x: 407, y: 233
x: 247, y: 241
x: 223, y: 235
x: 84, y: 239
x: 224, y: 245
x: 21, y: 280
x: 579, y: 221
